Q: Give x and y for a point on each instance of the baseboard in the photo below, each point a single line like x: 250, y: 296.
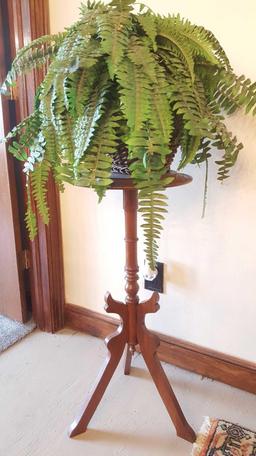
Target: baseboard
x: 206, y: 362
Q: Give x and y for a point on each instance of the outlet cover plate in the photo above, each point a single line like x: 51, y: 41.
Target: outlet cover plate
x: 158, y: 283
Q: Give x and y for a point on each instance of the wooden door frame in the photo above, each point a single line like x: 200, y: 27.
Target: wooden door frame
x: 14, y: 303
x: 29, y: 19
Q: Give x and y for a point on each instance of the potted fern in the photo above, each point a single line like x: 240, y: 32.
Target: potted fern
x: 126, y: 82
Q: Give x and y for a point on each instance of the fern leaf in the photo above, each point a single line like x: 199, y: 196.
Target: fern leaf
x: 87, y: 123
x: 18, y: 150
x: 96, y: 167
x: 30, y: 217
x: 140, y: 53
x: 218, y: 49
x: 148, y: 170
x: 62, y: 121
x: 234, y: 92
x: 34, y: 55
x: 90, y: 5
x: 161, y: 114
x: 39, y: 180
x: 46, y: 40
x: 26, y: 134
x: 122, y: 5
x: 85, y: 86
x: 196, y: 38
x: 152, y: 206
x: 135, y: 93
x: 148, y: 24
x: 227, y: 142
x: 171, y: 39
x: 189, y: 101
x: 113, y: 30
x: 189, y: 151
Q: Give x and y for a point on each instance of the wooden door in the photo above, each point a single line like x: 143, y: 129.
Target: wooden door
x: 25, y: 20
x: 12, y: 294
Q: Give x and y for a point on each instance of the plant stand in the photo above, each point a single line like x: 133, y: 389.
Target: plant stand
x: 132, y: 330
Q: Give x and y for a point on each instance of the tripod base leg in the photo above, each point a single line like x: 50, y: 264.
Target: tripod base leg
x: 115, y: 344
x: 128, y: 359
x: 148, y: 346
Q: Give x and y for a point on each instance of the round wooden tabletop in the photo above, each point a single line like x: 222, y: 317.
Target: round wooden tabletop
x: 124, y: 182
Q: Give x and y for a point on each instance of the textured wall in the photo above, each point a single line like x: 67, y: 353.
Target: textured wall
x: 211, y: 263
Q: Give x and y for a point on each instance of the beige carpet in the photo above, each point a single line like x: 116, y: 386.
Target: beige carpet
x: 11, y: 331
x: 44, y: 378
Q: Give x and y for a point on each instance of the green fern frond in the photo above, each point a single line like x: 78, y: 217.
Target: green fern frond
x: 196, y: 38
x: 161, y: 113
x: 48, y: 130
x: 87, y: 123
x: 170, y: 39
x: 218, y: 49
x: 30, y: 216
x: 113, y: 29
x: 34, y: 55
x: 17, y: 129
x: 96, y: 167
x: 135, y: 93
x: 203, y: 155
x: 46, y: 40
x: 148, y: 171
x: 90, y: 5
x: 82, y: 92
x: 77, y: 89
x: 152, y: 206
x: 140, y: 53
x: 190, y: 146
x: 227, y: 142
x: 39, y: 179
x: 188, y: 100
x: 25, y: 134
x: 148, y: 23
x: 234, y: 92
x: 70, y: 92
x: 122, y: 5
x: 61, y: 120
x: 85, y: 85
x: 51, y: 148
x: 203, y: 152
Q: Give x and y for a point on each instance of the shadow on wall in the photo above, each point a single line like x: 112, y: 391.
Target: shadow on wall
x: 181, y: 275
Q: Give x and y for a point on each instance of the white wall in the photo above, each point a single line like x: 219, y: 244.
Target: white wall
x: 211, y: 263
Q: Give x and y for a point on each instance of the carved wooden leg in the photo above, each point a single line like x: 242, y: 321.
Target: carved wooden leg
x: 148, y: 345
x: 128, y: 359
x: 115, y: 344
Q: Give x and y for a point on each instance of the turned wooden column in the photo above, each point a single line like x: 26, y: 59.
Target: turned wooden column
x: 131, y: 265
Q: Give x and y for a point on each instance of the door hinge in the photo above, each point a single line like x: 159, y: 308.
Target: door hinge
x: 26, y: 259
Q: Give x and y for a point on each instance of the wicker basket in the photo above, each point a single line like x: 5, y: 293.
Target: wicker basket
x: 121, y: 162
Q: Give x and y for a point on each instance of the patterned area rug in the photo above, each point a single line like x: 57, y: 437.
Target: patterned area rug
x: 11, y: 331
x: 221, y: 438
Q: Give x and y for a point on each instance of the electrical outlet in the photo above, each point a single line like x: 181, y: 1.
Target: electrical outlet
x: 158, y: 283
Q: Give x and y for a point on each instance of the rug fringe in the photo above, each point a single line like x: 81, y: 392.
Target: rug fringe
x: 202, y: 437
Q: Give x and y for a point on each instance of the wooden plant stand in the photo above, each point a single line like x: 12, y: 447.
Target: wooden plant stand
x: 132, y: 330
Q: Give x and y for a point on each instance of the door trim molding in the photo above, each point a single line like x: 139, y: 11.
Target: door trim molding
x: 209, y: 363
x: 13, y: 303
x: 29, y: 19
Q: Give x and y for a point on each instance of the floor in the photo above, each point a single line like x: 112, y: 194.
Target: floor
x: 44, y: 377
